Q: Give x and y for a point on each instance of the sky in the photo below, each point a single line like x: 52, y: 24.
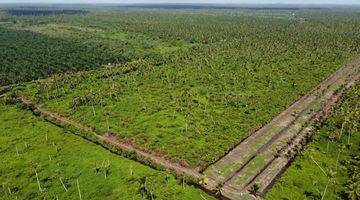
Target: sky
x: 190, y: 1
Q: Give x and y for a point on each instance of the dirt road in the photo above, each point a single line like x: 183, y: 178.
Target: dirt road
x: 262, y: 156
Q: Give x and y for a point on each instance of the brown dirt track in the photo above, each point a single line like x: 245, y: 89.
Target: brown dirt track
x: 240, y: 168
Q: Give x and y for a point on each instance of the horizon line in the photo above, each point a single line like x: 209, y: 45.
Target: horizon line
x: 174, y: 3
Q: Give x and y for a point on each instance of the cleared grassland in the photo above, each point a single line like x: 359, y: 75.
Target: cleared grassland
x: 178, y: 112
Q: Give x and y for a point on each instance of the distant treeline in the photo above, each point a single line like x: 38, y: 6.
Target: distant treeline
x: 224, y: 6
x: 44, y: 12
x: 206, y: 6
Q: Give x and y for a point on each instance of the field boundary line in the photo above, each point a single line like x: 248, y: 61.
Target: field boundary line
x: 305, y: 130
x: 287, y: 130
x: 320, y: 115
x: 255, y: 131
x: 272, y: 140
x: 177, y: 168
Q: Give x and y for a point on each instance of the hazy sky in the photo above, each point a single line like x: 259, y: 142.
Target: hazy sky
x: 187, y: 1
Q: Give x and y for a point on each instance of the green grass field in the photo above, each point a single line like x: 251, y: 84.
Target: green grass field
x: 335, y: 148
x: 31, y: 145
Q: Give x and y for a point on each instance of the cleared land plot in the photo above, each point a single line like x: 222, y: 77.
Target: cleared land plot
x: 263, y: 166
x: 172, y: 110
x: 257, y: 157
x: 30, y: 145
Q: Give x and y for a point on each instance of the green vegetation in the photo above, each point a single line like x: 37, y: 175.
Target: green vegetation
x: 26, y: 55
x: 32, y: 148
x: 186, y: 84
x: 243, y: 71
x: 329, y: 165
